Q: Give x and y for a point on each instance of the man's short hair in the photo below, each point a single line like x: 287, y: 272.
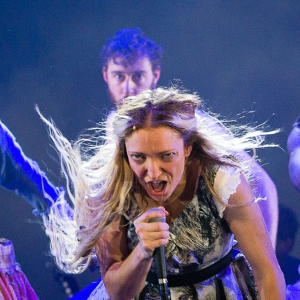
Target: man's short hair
x: 130, y: 44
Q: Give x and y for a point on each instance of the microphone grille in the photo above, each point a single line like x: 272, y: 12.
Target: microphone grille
x: 162, y: 219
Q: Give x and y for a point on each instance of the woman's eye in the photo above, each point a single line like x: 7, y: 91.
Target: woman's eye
x: 168, y: 155
x: 137, y: 157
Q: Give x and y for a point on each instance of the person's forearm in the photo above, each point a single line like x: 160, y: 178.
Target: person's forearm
x: 126, y: 280
x: 23, y: 175
x: 272, y: 286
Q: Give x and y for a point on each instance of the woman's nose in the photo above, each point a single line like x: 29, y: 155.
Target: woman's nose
x: 153, y: 169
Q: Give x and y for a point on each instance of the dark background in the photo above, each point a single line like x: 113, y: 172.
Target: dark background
x: 240, y: 56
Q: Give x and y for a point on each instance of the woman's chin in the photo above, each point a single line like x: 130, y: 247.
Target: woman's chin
x: 158, y: 196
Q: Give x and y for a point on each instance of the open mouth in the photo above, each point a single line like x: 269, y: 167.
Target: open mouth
x: 158, y: 185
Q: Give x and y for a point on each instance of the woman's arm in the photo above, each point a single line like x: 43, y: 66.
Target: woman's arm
x: 264, y: 187
x: 124, y: 274
x: 247, y: 224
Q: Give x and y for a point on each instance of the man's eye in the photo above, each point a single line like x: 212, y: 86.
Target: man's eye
x: 119, y: 76
x: 138, y: 77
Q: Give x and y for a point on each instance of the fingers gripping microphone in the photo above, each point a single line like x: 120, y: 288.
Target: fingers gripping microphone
x: 160, y: 263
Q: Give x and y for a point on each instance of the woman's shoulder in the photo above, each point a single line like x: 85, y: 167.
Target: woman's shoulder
x: 224, y: 180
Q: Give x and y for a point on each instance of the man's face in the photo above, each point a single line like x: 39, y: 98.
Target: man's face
x: 129, y: 80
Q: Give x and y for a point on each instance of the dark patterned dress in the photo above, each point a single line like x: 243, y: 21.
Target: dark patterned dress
x: 199, y: 237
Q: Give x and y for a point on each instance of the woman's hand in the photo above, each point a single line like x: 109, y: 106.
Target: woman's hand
x: 152, y: 235
x: 130, y: 270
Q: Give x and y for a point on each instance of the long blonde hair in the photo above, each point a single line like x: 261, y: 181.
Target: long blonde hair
x: 100, y: 182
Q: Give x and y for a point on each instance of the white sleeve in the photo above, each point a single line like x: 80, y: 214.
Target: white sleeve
x: 225, y: 184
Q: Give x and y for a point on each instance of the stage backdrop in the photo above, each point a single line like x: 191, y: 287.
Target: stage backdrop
x: 239, y: 57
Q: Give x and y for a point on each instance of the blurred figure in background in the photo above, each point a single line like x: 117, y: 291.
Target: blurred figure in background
x: 14, y: 284
x: 293, y: 145
x: 287, y: 231
x: 289, y: 263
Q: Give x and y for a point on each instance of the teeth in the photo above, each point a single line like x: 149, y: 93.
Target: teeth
x: 158, y: 185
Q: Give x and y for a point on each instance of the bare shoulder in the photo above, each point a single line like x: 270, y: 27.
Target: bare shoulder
x: 293, y: 141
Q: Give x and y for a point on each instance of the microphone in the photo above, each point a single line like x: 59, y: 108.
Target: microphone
x: 160, y: 262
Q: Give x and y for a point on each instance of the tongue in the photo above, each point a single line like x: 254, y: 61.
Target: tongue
x: 158, y: 186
